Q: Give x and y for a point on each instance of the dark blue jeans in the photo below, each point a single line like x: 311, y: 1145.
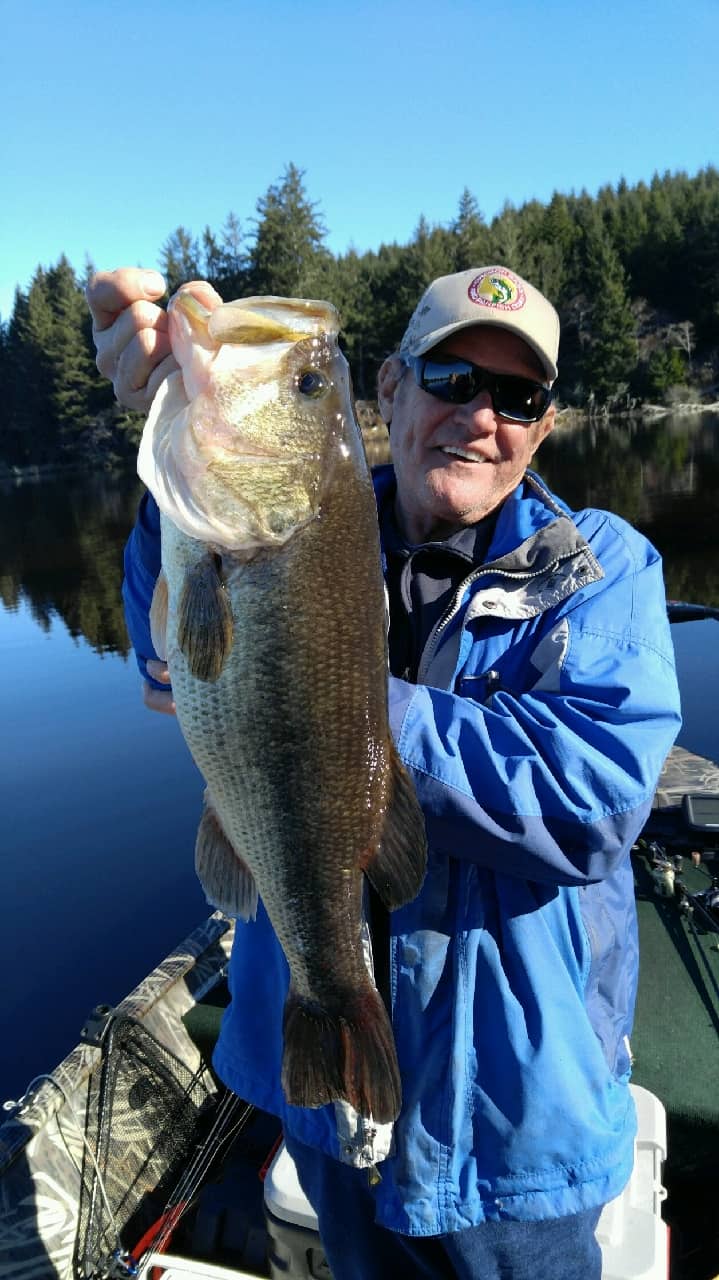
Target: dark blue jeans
x: 357, y: 1249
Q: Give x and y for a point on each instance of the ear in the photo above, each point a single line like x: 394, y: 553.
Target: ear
x: 388, y: 380
x: 542, y: 428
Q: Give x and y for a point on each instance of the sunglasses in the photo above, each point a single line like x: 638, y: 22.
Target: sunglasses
x: 458, y: 381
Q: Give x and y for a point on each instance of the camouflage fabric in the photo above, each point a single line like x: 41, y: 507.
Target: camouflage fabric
x: 42, y: 1153
x: 685, y: 774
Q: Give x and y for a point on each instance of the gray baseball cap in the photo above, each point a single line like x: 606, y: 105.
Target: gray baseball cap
x: 485, y: 295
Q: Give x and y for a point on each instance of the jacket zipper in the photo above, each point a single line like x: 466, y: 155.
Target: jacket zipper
x: 432, y: 644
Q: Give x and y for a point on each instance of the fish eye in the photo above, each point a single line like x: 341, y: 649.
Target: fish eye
x: 312, y: 383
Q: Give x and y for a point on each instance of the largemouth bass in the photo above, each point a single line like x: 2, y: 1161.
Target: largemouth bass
x: 270, y: 613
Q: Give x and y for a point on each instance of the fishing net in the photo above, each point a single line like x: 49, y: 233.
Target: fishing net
x: 146, y: 1112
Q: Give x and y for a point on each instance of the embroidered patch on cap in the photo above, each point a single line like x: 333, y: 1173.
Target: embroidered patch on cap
x: 500, y: 289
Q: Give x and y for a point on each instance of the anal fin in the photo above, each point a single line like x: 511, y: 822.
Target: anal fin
x: 226, y: 879
x: 398, y: 867
x: 204, y: 622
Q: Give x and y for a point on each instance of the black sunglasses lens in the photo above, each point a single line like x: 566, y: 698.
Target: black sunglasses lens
x: 520, y: 399
x: 459, y: 381
x: 454, y: 382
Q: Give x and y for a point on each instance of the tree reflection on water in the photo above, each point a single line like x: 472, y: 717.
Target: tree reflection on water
x: 662, y: 476
x: 61, y: 540
x: 61, y: 545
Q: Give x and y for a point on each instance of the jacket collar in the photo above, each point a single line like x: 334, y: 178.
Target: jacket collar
x: 536, y: 559
x: 533, y: 534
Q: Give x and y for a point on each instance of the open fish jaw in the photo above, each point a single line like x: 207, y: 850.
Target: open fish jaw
x: 248, y: 412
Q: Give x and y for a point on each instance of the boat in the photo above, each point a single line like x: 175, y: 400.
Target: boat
x: 131, y: 1159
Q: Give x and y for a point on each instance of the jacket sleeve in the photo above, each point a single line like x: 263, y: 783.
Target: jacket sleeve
x: 552, y: 777
x: 142, y: 566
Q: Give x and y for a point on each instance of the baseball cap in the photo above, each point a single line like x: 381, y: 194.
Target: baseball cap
x: 484, y: 295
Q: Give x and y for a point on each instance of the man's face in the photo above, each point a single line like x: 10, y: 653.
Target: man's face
x: 437, y: 489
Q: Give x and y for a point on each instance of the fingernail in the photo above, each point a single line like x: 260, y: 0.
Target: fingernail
x: 153, y: 283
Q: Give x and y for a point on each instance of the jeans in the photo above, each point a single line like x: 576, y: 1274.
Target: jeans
x: 357, y: 1248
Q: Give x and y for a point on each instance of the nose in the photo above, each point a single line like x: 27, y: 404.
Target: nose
x: 478, y: 416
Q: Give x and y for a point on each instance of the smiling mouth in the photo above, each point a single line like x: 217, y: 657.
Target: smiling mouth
x: 462, y: 453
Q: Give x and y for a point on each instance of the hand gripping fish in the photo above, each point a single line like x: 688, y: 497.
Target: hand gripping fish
x: 270, y: 613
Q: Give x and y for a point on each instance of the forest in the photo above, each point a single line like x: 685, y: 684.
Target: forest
x: 633, y: 272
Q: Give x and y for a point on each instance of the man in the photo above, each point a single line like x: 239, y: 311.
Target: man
x: 533, y: 699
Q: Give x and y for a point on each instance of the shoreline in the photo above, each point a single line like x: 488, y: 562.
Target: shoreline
x: 374, y: 435
x: 34, y: 472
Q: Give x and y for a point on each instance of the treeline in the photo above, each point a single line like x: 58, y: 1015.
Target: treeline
x: 633, y: 272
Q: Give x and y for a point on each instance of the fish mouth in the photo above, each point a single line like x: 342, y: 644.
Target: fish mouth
x: 456, y: 451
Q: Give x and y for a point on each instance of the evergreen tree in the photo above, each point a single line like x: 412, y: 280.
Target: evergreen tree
x: 288, y: 253
x: 471, y: 234
x: 211, y: 268
x: 430, y: 254
x: 28, y: 428
x: 180, y: 259
x: 74, y: 375
x: 666, y: 368
x: 351, y: 292
x: 612, y: 352
x: 232, y: 281
x: 505, y: 236
x: 554, y: 250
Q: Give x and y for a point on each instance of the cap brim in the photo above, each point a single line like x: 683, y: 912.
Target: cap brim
x: 433, y: 339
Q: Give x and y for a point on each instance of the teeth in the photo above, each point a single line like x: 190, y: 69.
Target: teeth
x: 461, y: 453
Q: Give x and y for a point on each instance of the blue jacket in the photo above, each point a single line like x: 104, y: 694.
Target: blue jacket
x: 545, y: 705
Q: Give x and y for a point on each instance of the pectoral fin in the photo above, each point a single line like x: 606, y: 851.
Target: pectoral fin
x: 225, y: 878
x: 204, y: 623
x: 397, y: 869
x: 158, y: 617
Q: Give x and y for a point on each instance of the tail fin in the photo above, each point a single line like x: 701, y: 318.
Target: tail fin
x: 349, y: 1057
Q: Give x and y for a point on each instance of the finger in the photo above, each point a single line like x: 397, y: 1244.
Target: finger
x: 204, y: 293
x: 136, y: 364
x: 158, y: 670
x: 110, y: 292
x: 160, y: 372
x: 158, y: 699
x: 112, y: 342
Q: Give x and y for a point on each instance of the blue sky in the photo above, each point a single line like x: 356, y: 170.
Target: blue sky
x: 123, y: 120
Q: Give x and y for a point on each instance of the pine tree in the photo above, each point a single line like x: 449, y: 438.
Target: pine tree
x: 180, y: 258
x: 288, y: 253
x: 506, y: 238
x: 29, y: 428
x: 554, y: 250
x: 612, y: 352
x: 471, y: 234
x: 233, y: 280
x: 350, y: 291
x: 211, y: 257
x: 74, y: 375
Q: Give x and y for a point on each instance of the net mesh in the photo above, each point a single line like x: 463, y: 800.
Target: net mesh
x: 145, y: 1114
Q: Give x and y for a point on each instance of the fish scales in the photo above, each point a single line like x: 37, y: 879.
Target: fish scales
x: 284, y: 707
x: 271, y: 751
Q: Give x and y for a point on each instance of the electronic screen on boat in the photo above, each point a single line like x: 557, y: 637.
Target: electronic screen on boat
x: 702, y: 812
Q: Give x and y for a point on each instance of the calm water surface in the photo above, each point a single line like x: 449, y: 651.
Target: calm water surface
x: 100, y: 799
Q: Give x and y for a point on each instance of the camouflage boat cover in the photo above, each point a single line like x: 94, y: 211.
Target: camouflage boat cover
x: 43, y: 1158
x: 685, y: 774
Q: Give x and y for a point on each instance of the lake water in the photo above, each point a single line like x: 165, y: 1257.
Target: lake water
x: 99, y: 798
